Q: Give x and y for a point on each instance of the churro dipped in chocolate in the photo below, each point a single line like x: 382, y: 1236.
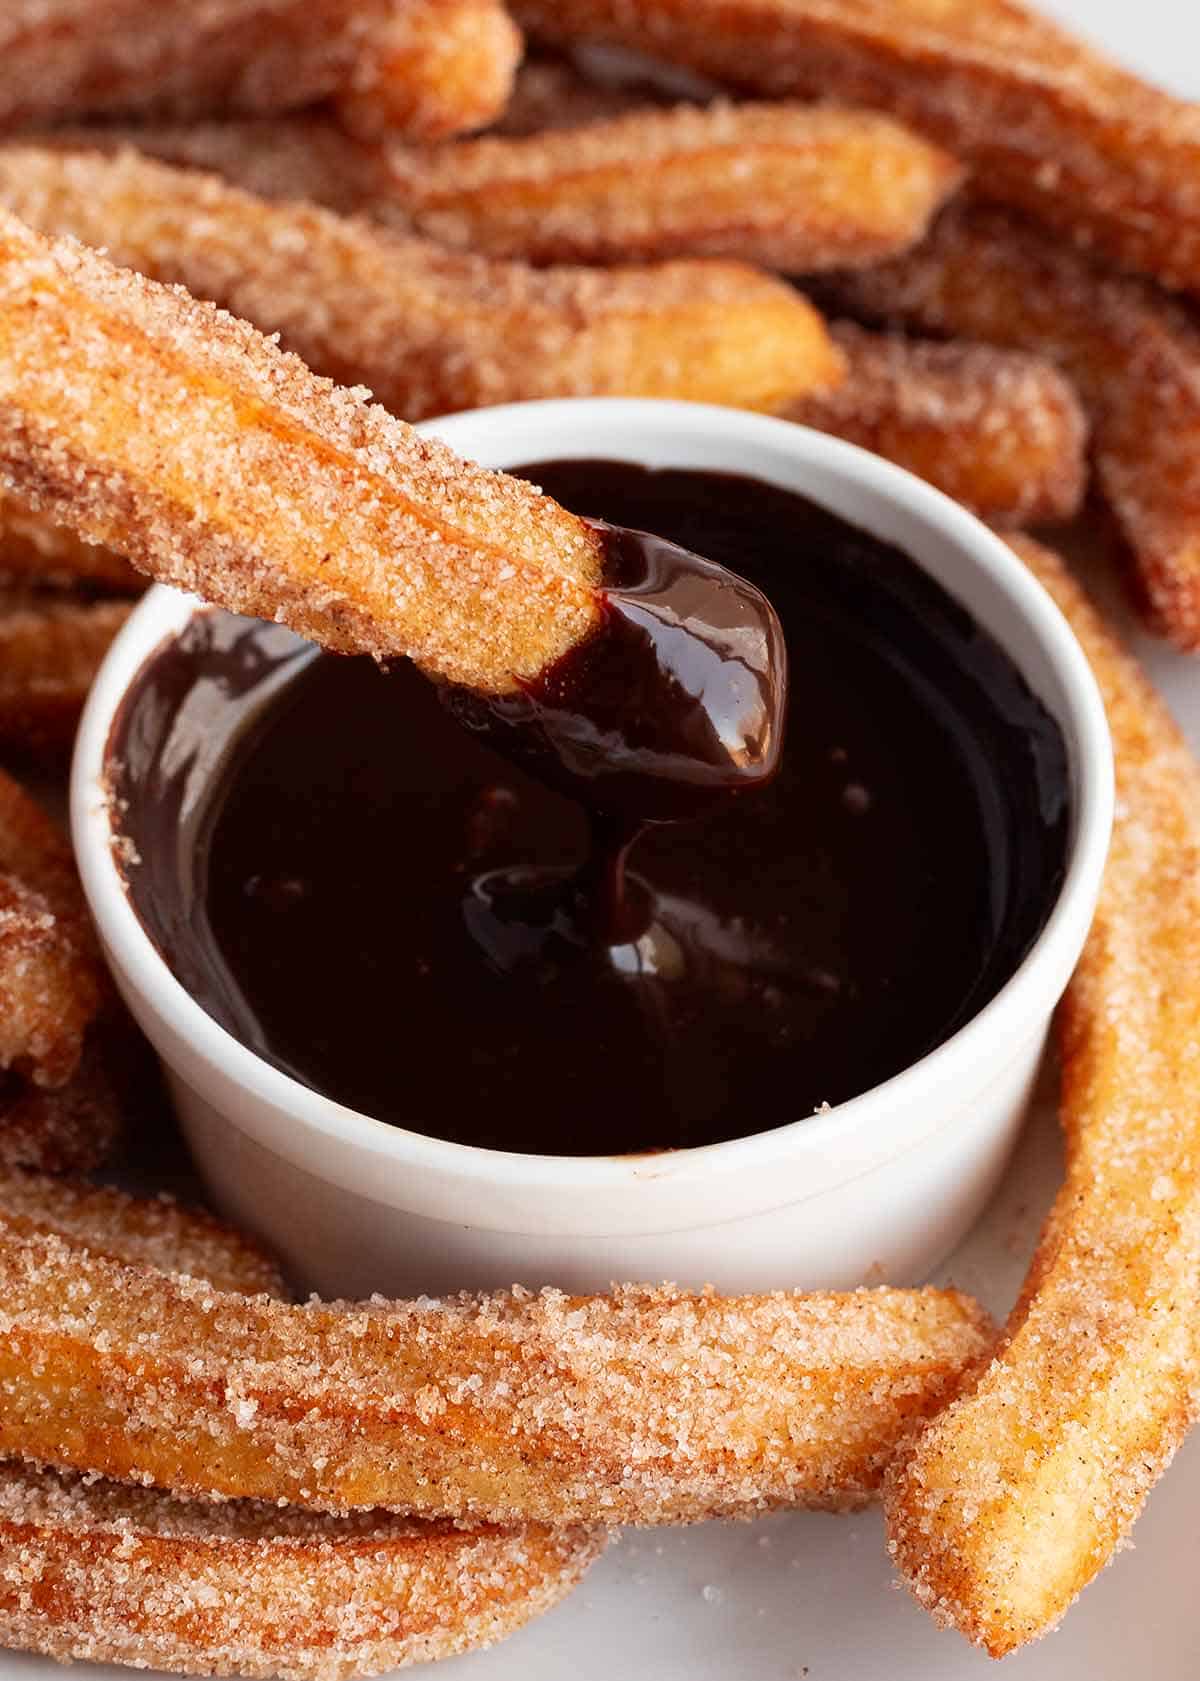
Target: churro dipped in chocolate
x: 1001, y: 432
x: 1045, y: 122
x: 425, y: 67
x: 154, y: 423
x: 430, y: 330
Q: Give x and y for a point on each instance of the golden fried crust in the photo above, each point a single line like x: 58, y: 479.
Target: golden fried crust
x: 1003, y: 433
x: 1131, y: 353
x: 108, y: 1574
x: 431, y: 330
x: 186, y: 440
x: 132, y: 1576
x: 435, y: 69
x: 420, y: 67
x: 35, y: 552
x: 50, y: 651
x: 114, y: 1574
x: 1020, y: 1491
x: 643, y: 1406
x: 140, y: 1231
x: 1045, y: 123
x: 50, y: 982
x: 792, y: 187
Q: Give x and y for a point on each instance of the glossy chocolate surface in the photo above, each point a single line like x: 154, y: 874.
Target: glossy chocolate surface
x: 380, y: 903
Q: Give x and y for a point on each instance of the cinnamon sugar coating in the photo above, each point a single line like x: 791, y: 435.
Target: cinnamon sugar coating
x: 140, y: 1231
x: 1045, y: 122
x: 437, y: 65
x: 431, y: 330
x: 791, y: 187
x: 435, y: 68
x: 642, y: 1406
x: 178, y: 435
x: 96, y: 1571
x: 50, y: 651
x: 50, y: 985
x: 1001, y: 432
x: 1021, y: 1490
x: 1131, y: 352
x: 799, y: 188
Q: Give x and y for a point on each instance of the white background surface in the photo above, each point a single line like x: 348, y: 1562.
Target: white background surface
x: 811, y: 1596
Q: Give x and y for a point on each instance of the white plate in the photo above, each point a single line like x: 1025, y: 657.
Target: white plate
x: 811, y: 1596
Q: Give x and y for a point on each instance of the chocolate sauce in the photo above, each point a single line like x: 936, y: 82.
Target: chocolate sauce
x: 379, y: 902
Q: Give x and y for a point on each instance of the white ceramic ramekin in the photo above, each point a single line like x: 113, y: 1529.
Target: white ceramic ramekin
x: 879, y: 1188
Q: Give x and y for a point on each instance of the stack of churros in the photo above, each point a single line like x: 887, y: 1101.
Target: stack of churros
x: 998, y: 217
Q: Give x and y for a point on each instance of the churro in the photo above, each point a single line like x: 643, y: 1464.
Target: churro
x: 115, y: 1574
x: 1130, y: 351
x: 431, y: 66
x: 791, y: 187
x: 50, y: 987
x: 106, y: 1574
x: 50, y: 651
x: 646, y: 1406
x: 1046, y: 123
x: 431, y: 330
x: 285, y: 497
x: 434, y: 69
x: 1001, y: 432
x: 1021, y: 1490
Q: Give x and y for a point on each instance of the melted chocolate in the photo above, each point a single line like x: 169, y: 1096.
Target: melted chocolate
x: 380, y: 903
x: 673, y: 707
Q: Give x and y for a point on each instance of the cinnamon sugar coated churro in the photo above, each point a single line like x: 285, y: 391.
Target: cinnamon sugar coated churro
x: 1045, y: 122
x: 1020, y: 1491
x: 435, y: 68
x: 50, y: 651
x: 390, y: 61
x: 792, y: 187
x: 645, y: 1406
x: 1132, y: 353
x: 1001, y: 432
x: 431, y: 330
x: 287, y: 497
x: 140, y: 1231
x: 106, y: 1573
x: 50, y: 987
